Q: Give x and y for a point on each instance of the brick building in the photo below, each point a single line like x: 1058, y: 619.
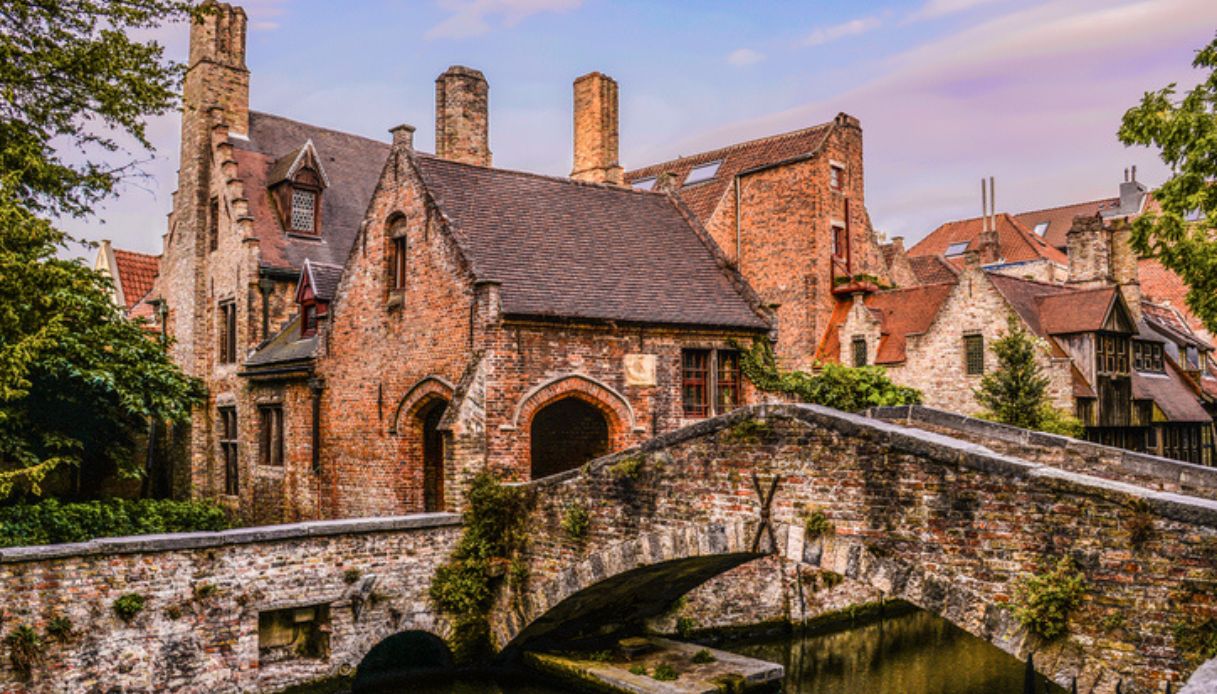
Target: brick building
x: 131, y: 275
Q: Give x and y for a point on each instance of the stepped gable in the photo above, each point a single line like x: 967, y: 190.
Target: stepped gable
x: 566, y: 249
x: 352, y: 166
x: 702, y: 198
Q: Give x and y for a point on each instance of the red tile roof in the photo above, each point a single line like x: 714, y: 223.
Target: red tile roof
x: 1016, y: 243
x: 901, y: 313
x: 136, y: 273
x: 933, y: 269
x: 1060, y: 219
x: 1077, y: 311
x: 1024, y: 296
x: 566, y: 249
x: 703, y: 197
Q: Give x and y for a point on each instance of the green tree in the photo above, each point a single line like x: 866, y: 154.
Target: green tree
x: 78, y: 381
x: 1016, y: 392
x: 1185, y: 133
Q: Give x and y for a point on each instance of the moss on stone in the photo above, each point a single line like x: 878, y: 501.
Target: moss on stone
x: 748, y: 431
x: 627, y: 468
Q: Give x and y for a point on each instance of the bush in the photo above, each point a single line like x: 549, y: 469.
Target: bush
x: 25, y: 649
x: 847, y: 388
x: 704, y: 656
x: 816, y: 524
x: 1042, y: 602
x: 129, y: 605
x: 665, y: 673
x: 52, y: 522
x: 576, y: 522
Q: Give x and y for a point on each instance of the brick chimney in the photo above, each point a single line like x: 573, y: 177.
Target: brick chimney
x: 988, y: 245
x: 1124, y: 265
x: 1089, y: 253
x: 462, y: 125
x: 216, y: 74
x: 596, y: 130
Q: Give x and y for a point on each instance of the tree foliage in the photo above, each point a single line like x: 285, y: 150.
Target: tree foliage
x: 842, y: 387
x: 1016, y: 392
x: 1185, y: 133
x: 78, y: 381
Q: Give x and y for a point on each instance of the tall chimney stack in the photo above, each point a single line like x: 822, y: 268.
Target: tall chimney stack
x: 216, y: 74
x: 462, y: 126
x: 596, y: 138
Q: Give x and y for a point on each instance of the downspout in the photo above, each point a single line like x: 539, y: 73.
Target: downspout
x: 316, y: 386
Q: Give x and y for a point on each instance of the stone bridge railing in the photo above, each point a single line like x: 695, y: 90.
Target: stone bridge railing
x: 945, y: 524
x: 255, y: 609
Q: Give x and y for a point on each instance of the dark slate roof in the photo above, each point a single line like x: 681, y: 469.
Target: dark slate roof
x: 352, y: 166
x: 323, y: 279
x: 284, y: 348
x: 1171, y: 393
x: 567, y: 249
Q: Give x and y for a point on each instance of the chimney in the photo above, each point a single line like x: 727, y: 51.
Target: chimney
x: 216, y: 74
x: 1124, y: 266
x: 596, y: 130
x: 987, y: 244
x: 898, y: 245
x: 1131, y: 193
x: 462, y: 128
x: 403, y: 136
x: 1089, y: 253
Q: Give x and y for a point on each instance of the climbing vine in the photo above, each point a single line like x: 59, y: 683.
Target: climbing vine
x: 1042, y: 602
x: 842, y: 387
x: 465, y: 586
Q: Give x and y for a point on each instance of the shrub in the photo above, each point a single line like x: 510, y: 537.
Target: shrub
x: 851, y: 389
x: 816, y: 524
x: 52, y: 522
x: 350, y: 576
x: 664, y: 673
x: 129, y: 605
x: 704, y: 656
x: 1042, y: 602
x: 627, y: 468
x: 25, y: 649
x: 1016, y: 392
x: 600, y: 656
x: 685, y: 626
x: 575, y: 522
x: 638, y: 670
x: 59, y: 628
x: 1197, y: 639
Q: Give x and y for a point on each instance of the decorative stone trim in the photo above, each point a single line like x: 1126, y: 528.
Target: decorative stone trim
x: 588, y: 388
x: 427, y: 388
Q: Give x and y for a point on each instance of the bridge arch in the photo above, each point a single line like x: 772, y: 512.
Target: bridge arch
x: 414, y: 651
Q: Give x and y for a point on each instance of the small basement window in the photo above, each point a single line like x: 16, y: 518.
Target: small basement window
x: 1041, y: 228
x: 703, y: 173
x: 647, y: 183
x: 957, y: 248
x: 294, y: 632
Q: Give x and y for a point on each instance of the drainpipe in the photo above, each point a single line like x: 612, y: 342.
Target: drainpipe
x: 266, y: 285
x: 316, y: 386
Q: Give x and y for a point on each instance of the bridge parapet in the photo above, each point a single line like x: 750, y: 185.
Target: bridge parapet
x: 947, y: 524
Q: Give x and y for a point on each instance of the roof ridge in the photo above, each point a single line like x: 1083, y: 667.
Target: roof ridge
x: 737, y: 145
x: 1026, y: 280
x: 320, y: 127
x: 546, y: 177
x: 152, y: 256
x: 1061, y: 207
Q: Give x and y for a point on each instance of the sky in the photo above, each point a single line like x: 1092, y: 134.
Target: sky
x: 948, y: 91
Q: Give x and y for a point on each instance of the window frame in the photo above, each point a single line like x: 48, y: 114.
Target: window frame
x: 719, y: 379
x: 398, y: 259
x: 695, y: 377
x: 1112, y: 354
x: 213, y: 224
x: 840, y: 241
x: 227, y: 331
x: 974, y: 354
x: 229, y: 448
x: 836, y: 177
x: 270, y: 434
x: 706, y: 172
x: 315, y: 194
x: 860, y: 358
x: 949, y: 253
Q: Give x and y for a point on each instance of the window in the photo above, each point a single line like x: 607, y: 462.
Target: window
x: 308, y: 326
x: 228, y: 448
x: 836, y: 177
x: 839, y: 242
x: 727, y: 385
x: 1147, y: 356
x: 228, y: 332
x: 397, y: 263
x: 702, y: 173
x: 1111, y: 354
x: 304, y: 210
x: 859, y: 345
x: 974, y: 354
x: 694, y: 377
x: 647, y: 183
x: 270, y: 435
x: 213, y: 224
x: 294, y: 632
x: 957, y: 248
x: 1041, y: 228
x: 708, y: 371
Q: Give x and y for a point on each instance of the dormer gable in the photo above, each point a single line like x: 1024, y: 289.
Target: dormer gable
x: 297, y: 182
x: 314, y: 292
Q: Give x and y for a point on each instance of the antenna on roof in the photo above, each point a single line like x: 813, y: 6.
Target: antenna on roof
x: 992, y: 204
x: 1134, y: 173
x: 984, y: 205
x: 1126, y: 174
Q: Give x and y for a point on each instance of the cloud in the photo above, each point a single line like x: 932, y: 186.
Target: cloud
x: 853, y: 27
x: 474, y: 17
x: 941, y: 8
x: 744, y: 56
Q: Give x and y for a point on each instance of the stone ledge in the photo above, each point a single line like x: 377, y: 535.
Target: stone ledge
x: 238, y: 536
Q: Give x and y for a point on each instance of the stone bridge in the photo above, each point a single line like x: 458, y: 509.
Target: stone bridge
x: 942, y: 523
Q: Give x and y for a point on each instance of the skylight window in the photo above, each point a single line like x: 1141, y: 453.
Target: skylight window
x: 957, y: 248
x: 1041, y: 228
x: 647, y: 183
x: 702, y: 173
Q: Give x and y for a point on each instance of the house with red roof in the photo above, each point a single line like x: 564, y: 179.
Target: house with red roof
x: 131, y: 276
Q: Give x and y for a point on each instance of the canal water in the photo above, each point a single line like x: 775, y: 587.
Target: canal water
x: 913, y: 653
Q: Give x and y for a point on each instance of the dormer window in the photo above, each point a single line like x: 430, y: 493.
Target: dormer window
x: 304, y: 210
x: 297, y: 183
x: 314, y: 292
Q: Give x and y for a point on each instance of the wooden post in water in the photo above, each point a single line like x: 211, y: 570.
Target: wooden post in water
x: 1029, y: 677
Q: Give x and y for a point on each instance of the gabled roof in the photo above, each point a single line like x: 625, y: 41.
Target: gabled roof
x: 901, y: 313
x: 1060, y: 219
x: 1024, y: 297
x: 1162, y: 286
x: 352, y: 165
x: 136, y: 273
x: 703, y: 197
x: 1172, y: 394
x: 290, y: 163
x: 1170, y: 323
x: 321, y: 278
x: 1078, y: 311
x: 566, y: 249
x: 1016, y: 243
x: 933, y: 269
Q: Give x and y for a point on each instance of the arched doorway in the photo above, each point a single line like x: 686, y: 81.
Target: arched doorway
x: 429, y: 416
x: 566, y: 434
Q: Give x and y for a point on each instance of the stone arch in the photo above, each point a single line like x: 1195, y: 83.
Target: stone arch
x: 576, y: 385
x: 626, y: 582
x: 416, y: 398
x: 413, y: 652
